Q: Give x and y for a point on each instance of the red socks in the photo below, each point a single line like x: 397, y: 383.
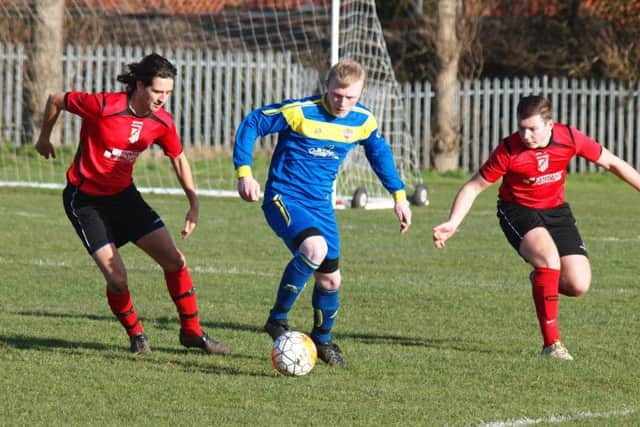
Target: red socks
x: 545, y: 282
x: 184, y: 296
x: 122, y: 306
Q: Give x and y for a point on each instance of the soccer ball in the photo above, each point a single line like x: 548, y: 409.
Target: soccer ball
x: 294, y: 354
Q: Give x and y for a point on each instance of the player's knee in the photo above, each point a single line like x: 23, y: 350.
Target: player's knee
x: 315, y: 248
x: 328, y: 281
x: 175, y: 262
x: 575, y: 288
x: 117, y: 281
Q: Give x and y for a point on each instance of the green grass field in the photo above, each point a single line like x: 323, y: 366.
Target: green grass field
x: 433, y: 338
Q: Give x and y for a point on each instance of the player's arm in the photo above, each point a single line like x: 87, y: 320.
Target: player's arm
x: 619, y: 167
x: 260, y: 122
x: 380, y: 158
x: 52, y: 109
x: 183, y: 173
x: 459, y: 209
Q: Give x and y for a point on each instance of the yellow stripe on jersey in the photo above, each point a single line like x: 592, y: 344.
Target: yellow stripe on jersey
x: 315, y: 129
x: 283, y: 209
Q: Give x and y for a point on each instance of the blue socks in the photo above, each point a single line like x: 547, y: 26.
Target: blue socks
x: 293, y: 281
x: 325, y: 309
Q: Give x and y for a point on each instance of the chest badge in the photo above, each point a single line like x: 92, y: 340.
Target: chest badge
x: 136, y: 128
x: 543, y: 161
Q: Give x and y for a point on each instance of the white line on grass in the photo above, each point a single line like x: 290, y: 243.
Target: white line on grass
x: 614, y: 239
x: 43, y: 262
x: 559, y: 418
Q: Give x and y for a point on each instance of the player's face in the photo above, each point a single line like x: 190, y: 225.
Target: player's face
x: 342, y: 99
x: 535, y: 132
x: 151, y: 98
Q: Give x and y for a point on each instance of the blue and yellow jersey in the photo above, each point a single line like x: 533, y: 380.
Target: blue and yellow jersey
x: 312, y: 144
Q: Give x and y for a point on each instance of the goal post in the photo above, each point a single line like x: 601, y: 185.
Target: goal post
x: 232, y: 56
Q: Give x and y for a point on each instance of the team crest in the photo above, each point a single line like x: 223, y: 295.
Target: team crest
x: 543, y: 161
x: 136, y: 128
x: 348, y: 133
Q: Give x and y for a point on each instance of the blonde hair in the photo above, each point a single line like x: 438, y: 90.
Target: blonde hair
x: 347, y: 72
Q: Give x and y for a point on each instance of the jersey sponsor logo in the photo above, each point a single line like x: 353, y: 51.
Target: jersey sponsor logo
x: 136, y: 128
x: 126, y: 156
x: 543, y: 161
x: 323, y: 152
x: 544, y: 179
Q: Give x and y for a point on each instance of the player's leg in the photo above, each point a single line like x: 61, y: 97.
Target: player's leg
x: 575, y: 276
x: 296, y: 226
x: 326, y: 304
x: 160, y: 246
x: 575, y: 271
x: 525, y: 231
x: 538, y: 248
x: 325, y: 299
x: 112, y: 267
x: 91, y: 220
x: 305, y: 261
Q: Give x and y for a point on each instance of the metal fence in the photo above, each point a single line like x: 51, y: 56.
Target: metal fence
x: 606, y: 110
x: 215, y: 89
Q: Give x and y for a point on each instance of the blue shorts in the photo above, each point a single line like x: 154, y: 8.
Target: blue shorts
x: 292, y: 221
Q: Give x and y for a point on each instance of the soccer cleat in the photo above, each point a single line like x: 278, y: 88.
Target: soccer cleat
x: 557, y: 351
x: 204, y: 342
x: 330, y: 353
x: 139, y: 344
x: 275, y: 328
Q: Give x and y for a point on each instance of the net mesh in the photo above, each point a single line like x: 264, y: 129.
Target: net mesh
x: 232, y: 56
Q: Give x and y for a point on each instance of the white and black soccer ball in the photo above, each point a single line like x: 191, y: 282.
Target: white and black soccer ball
x: 294, y: 354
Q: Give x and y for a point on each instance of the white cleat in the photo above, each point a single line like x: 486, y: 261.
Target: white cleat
x: 556, y: 351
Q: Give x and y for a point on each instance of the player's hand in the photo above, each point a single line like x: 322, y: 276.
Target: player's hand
x: 249, y: 189
x: 190, y: 222
x: 403, y: 212
x: 45, y: 148
x: 442, y: 233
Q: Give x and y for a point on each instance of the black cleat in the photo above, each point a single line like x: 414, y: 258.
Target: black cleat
x: 139, y: 344
x: 275, y: 328
x: 204, y: 342
x: 330, y: 353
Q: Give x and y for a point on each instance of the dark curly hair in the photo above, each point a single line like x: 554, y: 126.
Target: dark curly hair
x: 150, y: 67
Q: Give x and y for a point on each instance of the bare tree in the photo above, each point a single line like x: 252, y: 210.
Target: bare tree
x: 446, y: 140
x: 45, y: 73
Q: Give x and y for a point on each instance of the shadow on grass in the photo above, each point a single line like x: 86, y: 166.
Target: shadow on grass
x: 160, y: 357
x: 164, y: 322
x: 439, y: 343
x: 168, y: 323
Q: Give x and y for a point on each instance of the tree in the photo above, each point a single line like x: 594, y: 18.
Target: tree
x: 446, y: 140
x: 45, y: 72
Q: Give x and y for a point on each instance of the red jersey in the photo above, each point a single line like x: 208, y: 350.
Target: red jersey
x: 535, y: 177
x: 111, y: 138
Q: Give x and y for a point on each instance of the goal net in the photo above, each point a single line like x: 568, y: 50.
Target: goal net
x: 232, y: 56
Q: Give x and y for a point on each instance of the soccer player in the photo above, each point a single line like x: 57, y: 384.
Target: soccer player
x: 533, y: 214
x: 314, y: 136
x: 103, y: 204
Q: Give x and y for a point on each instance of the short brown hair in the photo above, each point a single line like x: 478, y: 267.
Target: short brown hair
x: 346, y: 72
x: 533, y: 105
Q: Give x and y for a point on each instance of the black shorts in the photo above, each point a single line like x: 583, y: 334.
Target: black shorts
x: 118, y: 219
x: 517, y: 220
